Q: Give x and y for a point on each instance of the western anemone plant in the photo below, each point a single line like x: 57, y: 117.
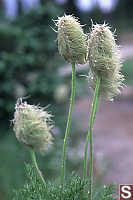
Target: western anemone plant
x: 32, y: 124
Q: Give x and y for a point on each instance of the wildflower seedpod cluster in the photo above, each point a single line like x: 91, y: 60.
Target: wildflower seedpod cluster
x: 105, y: 62
x: 71, y: 40
x: 32, y: 126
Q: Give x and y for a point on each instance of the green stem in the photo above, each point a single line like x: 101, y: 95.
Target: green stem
x: 89, y: 139
x: 68, y: 124
x: 33, y: 157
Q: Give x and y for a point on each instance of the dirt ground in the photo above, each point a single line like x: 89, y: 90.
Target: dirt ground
x: 113, y: 138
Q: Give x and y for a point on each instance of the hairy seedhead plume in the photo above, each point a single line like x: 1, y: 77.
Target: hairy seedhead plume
x: 32, y: 125
x: 71, y: 39
x: 105, y: 61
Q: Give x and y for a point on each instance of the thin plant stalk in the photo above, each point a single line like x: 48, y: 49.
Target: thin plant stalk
x: 33, y: 157
x: 72, y: 99
x: 89, y: 139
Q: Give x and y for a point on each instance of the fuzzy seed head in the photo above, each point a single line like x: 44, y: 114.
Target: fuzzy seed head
x: 105, y: 62
x: 71, y: 39
x: 32, y: 125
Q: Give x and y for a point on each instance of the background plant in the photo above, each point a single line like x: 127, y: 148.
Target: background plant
x: 25, y: 68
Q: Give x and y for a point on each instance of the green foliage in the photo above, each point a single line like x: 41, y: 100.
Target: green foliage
x: 11, y: 166
x: 28, y: 59
x: 28, y: 66
x: 13, y: 156
x: 75, y: 188
x: 34, y: 189
x: 105, y: 192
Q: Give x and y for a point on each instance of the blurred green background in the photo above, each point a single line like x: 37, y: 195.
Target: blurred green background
x: 30, y: 67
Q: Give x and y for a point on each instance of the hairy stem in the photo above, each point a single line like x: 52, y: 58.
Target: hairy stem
x: 89, y: 139
x: 68, y: 124
x: 33, y: 157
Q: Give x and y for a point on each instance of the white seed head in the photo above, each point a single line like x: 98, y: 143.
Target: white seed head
x: 71, y: 39
x: 105, y: 62
x: 32, y: 125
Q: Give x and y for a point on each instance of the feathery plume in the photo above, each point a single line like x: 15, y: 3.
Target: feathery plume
x: 32, y: 125
x: 71, y: 39
x: 105, y: 62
